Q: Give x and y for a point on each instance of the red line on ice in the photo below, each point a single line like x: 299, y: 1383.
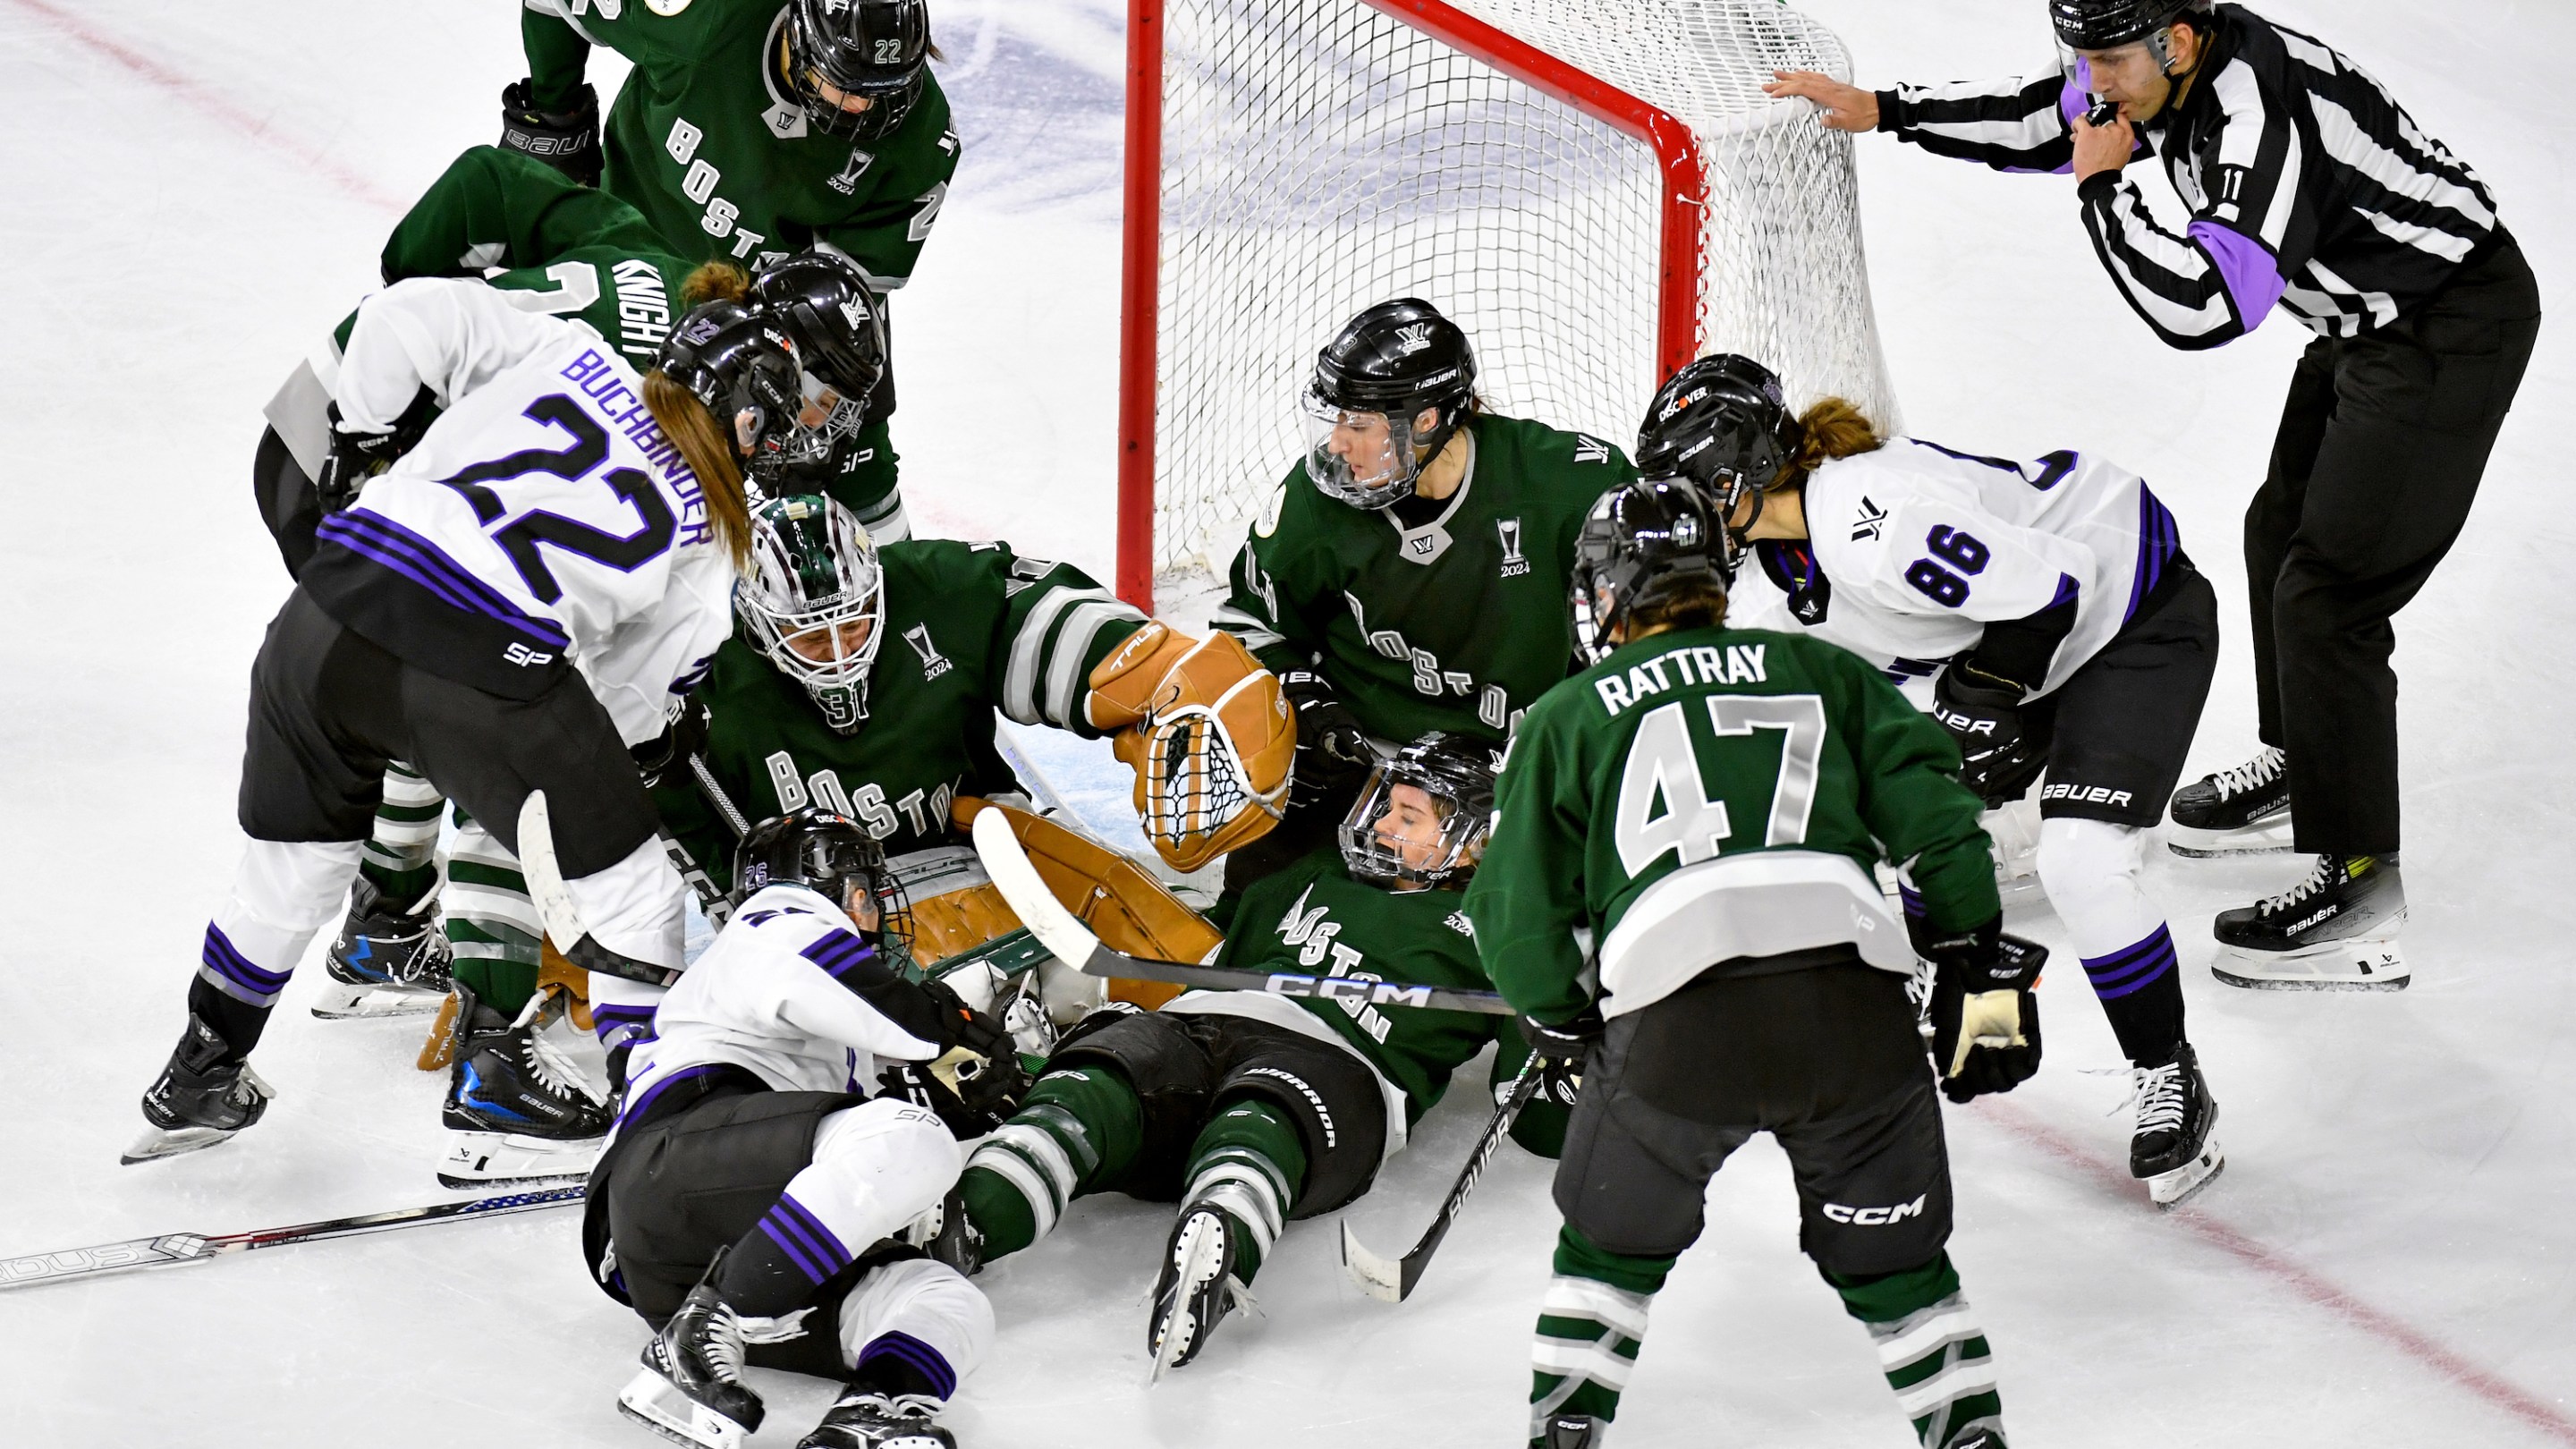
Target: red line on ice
x: 2497, y: 1391
x: 209, y: 101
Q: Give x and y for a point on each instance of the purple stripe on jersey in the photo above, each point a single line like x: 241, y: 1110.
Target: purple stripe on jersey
x: 635, y: 1107
x: 2251, y: 274
x: 2159, y: 539
x: 227, y: 961
x: 388, y: 544
x: 2066, y: 591
x: 839, y: 953
x: 2132, y: 968
x: 1913, y: 900
x: 904, y: 1348
x: 798, y: 1256
x: 2071, y: 99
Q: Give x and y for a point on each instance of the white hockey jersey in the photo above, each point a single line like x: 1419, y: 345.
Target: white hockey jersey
x: 1913, y: 550
x: 775, y: 995
x: 542, y: 524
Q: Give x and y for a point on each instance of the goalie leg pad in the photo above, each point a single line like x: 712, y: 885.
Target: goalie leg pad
x: 1113, y: 897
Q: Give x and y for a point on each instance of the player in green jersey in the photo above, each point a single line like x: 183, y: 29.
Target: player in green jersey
x: 1705, y: 807
x: 1251, y: 1109
x: 753, y: 129
x: 1410, y: 572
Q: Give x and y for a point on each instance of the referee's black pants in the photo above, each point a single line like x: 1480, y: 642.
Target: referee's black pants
x: 2381, y: 447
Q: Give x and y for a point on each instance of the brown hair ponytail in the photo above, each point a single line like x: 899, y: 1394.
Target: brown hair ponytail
x: 706, y: 446
x: 716, y: 281
x: 1831, y: 428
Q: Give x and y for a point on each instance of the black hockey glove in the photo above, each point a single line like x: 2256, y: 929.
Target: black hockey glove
x: 1985, y: 1022
x: 1998, y: 756
x: 665, y: 760
x: 357, y: 457
x: 966, y: 1027
x: 565, y: 140
x: 1333, y: 751
x: 1560, y: 1051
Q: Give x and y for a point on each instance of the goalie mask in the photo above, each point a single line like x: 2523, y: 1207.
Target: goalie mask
x: 834, y: 857
x: 814, y: 601
x: 743, y: 367
x: 1365, y: 438
x: 878, y: 49
x: 1721, y: 425
x: 1646, y: 544
x: 1422, y: 818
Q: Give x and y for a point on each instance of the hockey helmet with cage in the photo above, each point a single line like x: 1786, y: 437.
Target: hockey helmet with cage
x: 2100, y: 25
x: 876, y: 49
x: 1646, y: 544
x: 837, y: 324
x: 1386, y: 367
x: 814, y: 600
x: 827, y: 853
x: 1422, y: 818
x: 738, y: 362
x: 1721, y: 424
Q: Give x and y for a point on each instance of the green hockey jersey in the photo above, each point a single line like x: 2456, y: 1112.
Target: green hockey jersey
x: 968, y: 629
x: 571, y: 251
x: 1313, y: 918
x: 1706, y: 795
x: 707, y: 140
x: 1459, y: 624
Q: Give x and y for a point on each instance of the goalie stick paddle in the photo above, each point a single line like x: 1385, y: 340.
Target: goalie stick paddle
x: 1073, y: 943
x: 1394, y: 1281
x: 556, y: 907
x: 170, y: 1250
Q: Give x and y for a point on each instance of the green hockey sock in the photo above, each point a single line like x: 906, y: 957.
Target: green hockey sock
x: 1589, y: 1329
x: 491, y: 922
x: 1931, y: 1348
x: 1248, y: 1161
x: 400, y: 859
x: 1074, y: 1131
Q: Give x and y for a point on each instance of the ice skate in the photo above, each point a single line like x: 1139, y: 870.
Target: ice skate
x: 518, y: 1106
x: 2239, y: 811
x: 2334, y: 931
x: 202, y: 1097
x: 1573, y: 1431
x: 388, y: 960
x: 691, y: 1390
x: 1197, y: 1287
x: 864, y: 1419
x: 2174, y: 1148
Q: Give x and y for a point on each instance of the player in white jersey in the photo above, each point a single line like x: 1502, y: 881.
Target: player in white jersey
x: 751, y: 1203
x: 2043, y: 611
x: 510, y: 606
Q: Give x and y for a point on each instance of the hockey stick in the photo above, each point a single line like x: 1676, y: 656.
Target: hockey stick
x: 556, y: 907
x: 716, y: 796
x: 172, y: 1249
x: 1394, y: 1281
x: 1073, y: 944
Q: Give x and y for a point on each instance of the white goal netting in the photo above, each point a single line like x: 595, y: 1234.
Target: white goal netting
x: 1320, y: 155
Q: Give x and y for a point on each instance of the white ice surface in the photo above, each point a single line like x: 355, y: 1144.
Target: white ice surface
x: 194, y: 191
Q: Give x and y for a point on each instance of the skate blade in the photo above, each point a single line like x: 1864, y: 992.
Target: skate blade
x: 2333, y: 966
x: 159, y: 1142
x: 377, y: 1002
x: 2172, y: 1189
x: 2270, y: 835
x: 1198, y: 1259
x: 656, y: 1403
x: 481, y: 1159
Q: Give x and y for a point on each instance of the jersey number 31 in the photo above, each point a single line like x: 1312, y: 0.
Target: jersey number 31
x: 1663, y: 798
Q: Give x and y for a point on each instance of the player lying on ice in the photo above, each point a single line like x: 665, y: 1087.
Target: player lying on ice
x: 753, y: 1200
x: 2060, y: 627
x: 1250, y: 1109
x: 1708, y: 804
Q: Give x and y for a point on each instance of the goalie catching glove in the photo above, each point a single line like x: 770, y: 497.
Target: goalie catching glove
x: 1985, y: 1022
x: 1208, y: 733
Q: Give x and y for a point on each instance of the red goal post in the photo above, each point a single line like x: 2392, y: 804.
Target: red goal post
x: 1502, y: 208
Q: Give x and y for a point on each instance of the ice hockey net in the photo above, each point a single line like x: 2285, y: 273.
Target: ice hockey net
x: 1597, y: 190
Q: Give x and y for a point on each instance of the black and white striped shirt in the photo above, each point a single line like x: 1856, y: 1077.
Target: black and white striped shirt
x: 2309, y: 186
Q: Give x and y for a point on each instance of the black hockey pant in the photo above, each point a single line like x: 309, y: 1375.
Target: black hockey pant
x: 2381, y: 447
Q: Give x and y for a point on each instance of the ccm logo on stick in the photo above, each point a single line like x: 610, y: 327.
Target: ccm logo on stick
x: 1354, y: 990
x: 1875, y: 1217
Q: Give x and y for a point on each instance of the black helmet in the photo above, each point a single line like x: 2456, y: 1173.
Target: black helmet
x: 1645, y: 543
x: 1721, y: 424
x: 1397, y: 359
x: 737, y: 361
x: 2108, y: 24
x: 871, y: 48
x: 825, y: 853
x: 837, y: 324
x: 1458, y: 774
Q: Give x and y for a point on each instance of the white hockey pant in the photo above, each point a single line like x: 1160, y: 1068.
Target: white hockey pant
x: 283, y: 894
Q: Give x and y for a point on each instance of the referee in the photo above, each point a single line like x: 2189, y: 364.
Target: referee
x: 2311, y: 191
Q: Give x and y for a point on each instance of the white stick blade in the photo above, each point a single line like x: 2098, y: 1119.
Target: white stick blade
x: 1379, y: 1278
x: 1018, y: 881
x: 545, y: 878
